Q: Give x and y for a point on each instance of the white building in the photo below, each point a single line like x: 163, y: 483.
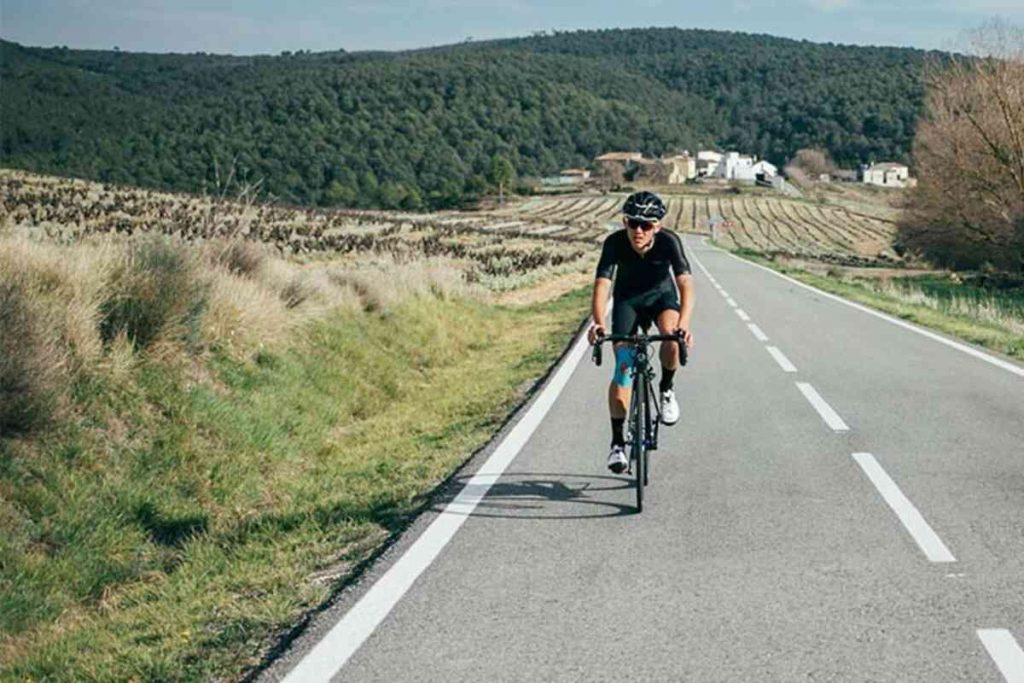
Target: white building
x: 735, y: 166
x: 886, y: 174
x: 707, y: 162
x: 764, y: 170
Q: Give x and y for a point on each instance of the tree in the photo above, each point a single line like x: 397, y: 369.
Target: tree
x: 502, y: 173
x: 810, y: 164
x: 968, y: 206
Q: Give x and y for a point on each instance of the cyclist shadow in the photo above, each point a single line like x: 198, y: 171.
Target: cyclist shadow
x: 543, y: 495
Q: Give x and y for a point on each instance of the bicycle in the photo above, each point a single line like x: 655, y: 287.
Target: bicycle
x: 643, y: 430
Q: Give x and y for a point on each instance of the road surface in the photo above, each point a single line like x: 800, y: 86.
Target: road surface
x: 843, y: 499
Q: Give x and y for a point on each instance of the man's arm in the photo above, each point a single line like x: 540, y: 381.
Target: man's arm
x: 686, y: 297
x: 599, y: 307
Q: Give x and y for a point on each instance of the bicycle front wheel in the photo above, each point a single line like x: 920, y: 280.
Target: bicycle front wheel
x: 639, y: 447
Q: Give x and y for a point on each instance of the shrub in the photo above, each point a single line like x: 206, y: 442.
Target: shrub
x: 156, y: 291
x: 239, y: 257
x: 29, y: 363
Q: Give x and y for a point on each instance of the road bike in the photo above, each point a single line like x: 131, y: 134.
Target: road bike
x: 642, y: 421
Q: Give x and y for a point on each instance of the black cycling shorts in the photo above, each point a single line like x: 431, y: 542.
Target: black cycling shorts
x: 641, y: 311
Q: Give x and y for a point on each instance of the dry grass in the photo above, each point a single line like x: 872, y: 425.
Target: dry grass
x: 89, y: 309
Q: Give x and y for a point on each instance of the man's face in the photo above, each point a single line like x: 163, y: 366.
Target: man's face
x: 640, y: 234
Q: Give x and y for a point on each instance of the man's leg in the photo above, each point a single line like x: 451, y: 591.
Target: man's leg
x: 668, y: 322
x: 619, y: 392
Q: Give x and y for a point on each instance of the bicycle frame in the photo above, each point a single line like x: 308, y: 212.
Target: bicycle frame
x: 642, y: 421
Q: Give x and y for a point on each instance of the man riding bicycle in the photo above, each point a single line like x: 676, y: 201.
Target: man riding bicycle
x: 652, y: 284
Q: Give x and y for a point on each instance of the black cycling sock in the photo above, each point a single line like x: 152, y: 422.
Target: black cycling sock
x: 666, y: 379
x: 617, y: 438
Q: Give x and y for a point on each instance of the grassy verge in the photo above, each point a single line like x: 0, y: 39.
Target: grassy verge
x: 187, y: 509
x: 990, y: 318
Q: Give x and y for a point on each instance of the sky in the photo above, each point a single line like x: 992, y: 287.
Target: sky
x: 270, y: 27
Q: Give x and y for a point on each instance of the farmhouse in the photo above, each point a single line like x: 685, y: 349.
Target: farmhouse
x: 678, y: 168
x: 572, y: 176
x: 887, y: 174
x: 744, y: 168
x: 617, y: 161
x: 707, y: 162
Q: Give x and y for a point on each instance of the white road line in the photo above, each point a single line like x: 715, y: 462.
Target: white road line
x: 830, y: 416
x: 929, y: 542
x: 969, y: 350
x: 1005, y: 652
x: 743, y: 315
x: 732, y: 302
x: 757, y: 332
x: 703, y: 269
x: 346, y: 636
x: 781, y: 359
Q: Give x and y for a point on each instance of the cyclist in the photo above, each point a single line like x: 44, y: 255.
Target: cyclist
x: 652, y: 284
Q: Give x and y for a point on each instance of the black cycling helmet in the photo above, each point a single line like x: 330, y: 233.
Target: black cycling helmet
x: 644, y: 206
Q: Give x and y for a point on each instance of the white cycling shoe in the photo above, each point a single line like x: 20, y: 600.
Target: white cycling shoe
x: 617, y: 460
x: 669, y: 408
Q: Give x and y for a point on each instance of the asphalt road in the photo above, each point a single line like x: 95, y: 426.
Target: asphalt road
x: 775, y: 545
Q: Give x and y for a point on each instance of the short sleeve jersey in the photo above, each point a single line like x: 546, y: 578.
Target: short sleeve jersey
x: 634, y: 273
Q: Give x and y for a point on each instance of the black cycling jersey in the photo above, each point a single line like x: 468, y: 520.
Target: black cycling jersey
x: 635, y: 274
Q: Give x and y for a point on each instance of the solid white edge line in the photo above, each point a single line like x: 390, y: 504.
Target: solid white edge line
x: 757, y: 332
x: 781, y: 359
x: 743, y: 315
x: 969, y: 350
x: 830, y: 416
x: 329, y: 655
x: 1005, y: 652
x: 926, y: 538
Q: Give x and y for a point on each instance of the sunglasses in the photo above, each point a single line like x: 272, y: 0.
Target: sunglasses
x: 639, y: 225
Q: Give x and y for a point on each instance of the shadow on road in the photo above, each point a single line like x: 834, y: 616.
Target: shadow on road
x: 544, y: 495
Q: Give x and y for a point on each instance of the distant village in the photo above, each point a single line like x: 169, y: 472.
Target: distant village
x: 710, y: 165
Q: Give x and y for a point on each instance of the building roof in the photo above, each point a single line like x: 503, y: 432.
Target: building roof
x: 621, y: 156
x: 886, y: 166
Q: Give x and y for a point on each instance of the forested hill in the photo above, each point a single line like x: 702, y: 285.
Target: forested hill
x: 423, y: 127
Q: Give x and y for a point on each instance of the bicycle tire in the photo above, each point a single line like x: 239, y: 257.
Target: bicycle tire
x: 648, y: 437
x: 639, y: 450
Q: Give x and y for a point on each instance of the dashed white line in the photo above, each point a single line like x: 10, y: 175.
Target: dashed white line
x: 757, y: 332
x: 347, y: 635
x: 980, y: 355
x: 1005, y: 652
x: 743, y: 315
x: 830, y: 416
x: 929, y: 542
x: 781, y: 359
x: 731, y: 302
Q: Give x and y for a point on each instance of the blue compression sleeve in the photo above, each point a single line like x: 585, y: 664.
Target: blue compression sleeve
x: 624, y: 357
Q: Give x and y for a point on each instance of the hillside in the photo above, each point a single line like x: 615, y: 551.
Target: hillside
x: 420, y: 128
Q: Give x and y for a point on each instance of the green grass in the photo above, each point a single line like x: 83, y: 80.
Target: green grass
x: 194, y: 510
x: 986, y: 316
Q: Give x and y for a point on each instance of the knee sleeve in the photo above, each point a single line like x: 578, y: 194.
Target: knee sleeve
x: 624, y: 356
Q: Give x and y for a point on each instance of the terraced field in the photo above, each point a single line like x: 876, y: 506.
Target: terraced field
x: 501, y: 253
x: 504, y: 247
x: 766, y: 224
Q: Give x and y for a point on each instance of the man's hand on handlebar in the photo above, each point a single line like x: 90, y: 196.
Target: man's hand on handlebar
x: 596, y: 332
x: 687, y: 337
